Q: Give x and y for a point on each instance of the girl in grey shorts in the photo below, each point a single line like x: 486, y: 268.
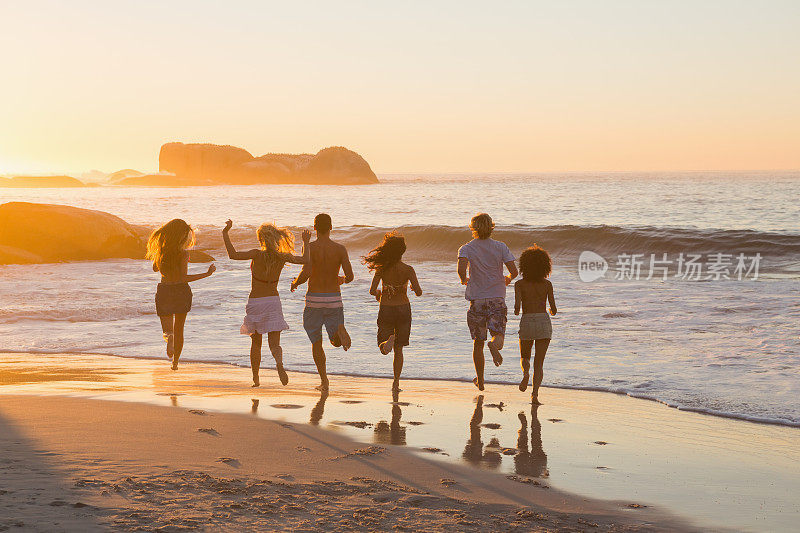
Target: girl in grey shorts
x: 531, y: 294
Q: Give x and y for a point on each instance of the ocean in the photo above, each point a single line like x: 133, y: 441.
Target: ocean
x: 715, y: 328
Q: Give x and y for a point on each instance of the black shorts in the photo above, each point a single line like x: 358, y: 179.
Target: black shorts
x: 173, y: 299
x: 394, y: 320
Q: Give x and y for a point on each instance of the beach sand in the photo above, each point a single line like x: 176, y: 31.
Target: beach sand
x: 91, y: 442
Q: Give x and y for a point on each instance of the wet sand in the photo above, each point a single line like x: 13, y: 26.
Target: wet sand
x: 438, y: 455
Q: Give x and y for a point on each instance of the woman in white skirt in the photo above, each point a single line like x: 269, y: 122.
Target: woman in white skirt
x: 264, y: 313
x: 532, y: 293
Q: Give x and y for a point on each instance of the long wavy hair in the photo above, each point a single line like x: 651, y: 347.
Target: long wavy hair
x: 389, y: 252
x: 167, y: 243
x: 274, y: 240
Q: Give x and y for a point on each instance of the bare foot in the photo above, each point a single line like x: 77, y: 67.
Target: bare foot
x: 478, y: 383
x: 344, y: 337
x: 283, y: 375
x: 396, y: 387
x: 496, y: 357
x: 535, y: 399
x: 170, y: 338
x: 174, y: 365
x: 387, y: 345
x: 523, y: 385
x: 255, y: 384
x: 322, y: 387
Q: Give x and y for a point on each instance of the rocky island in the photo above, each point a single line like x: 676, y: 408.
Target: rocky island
x: 211, y: 164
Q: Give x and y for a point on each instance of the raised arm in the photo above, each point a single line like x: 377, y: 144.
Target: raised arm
x: 517, y: 297
x: 462, y: 270
x: 305, y: 257
x: 551, y: 297
x: 412, y: 277
x: 232, y: 253
x: 373, y: 288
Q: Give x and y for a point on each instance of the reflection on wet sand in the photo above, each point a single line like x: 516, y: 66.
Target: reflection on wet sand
x: 474, y: 451
x: 319, y: 409
x: 530, y: 461
x: 254, y: 406
x: 392, y: 432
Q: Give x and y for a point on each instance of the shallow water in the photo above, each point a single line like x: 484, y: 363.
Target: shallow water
x: 725, y: 347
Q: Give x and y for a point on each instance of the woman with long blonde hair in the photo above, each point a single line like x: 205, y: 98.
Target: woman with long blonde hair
x: 264, y: 312
x: 168, y: 249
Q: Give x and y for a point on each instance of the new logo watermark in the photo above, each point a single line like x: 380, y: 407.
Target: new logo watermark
x: 591, y: 266
x: 716, y: 266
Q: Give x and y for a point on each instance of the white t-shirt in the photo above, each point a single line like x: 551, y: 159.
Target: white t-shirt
x: 486, y: 259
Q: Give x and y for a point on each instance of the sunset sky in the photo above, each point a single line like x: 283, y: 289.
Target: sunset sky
x: 414, y: 86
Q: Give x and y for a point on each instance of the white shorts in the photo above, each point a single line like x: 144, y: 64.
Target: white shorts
x: 533, y: 326
x: 263, y: 315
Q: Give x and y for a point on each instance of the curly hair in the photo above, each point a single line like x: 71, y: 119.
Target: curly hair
x: 535, y: 263
x: 389, y: 252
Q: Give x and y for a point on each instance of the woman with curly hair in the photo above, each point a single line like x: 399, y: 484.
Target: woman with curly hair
x: 531, y: 294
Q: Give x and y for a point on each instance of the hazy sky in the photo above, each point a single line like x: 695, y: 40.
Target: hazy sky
x: 414, y: 86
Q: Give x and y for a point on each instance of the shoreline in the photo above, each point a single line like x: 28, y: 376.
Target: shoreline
x: 584, y: 444
x: 672, y: 405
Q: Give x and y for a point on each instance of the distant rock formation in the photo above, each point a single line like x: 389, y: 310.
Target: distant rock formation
x: 160, y: 180
x: 41, y: 181
x: 43, y: 233
x: 124, y: 174
x: 211, y: 164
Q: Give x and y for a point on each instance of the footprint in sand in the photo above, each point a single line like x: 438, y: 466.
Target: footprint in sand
x: 209, y: 431
x: 636, y: 506
x: 286, y: 477
x: 285, y: 425
x: 302, y: 449
x: 495, y: 405
x: 448, y: 482
x: 431, y: 449
x: 491, y: 425
x: 230, y: 461
x: 600, y: 442
x: 197, y: 412
x: 169, y: 394
x: 554, y: 420
x: 286, y: 406
x: 415, y: 423
x: 510, y: 451
x: 351, y: 401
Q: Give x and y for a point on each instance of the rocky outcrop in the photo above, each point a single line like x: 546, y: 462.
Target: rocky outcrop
x: 199, y: 164
x: 42, y: 181
x: 124, y: 174
x: 44, y: 233
x: 202, y: 161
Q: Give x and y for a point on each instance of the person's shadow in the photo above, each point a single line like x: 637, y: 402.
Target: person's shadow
x: 474, y: 451
x: 391, y: 432
x: 530, y: 461
x: 319, y: 409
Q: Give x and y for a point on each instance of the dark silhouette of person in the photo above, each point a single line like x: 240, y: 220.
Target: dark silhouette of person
x: 392, y: 432
x: 474, y: 452
x: 530, y: 461
x: 319, y: 409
